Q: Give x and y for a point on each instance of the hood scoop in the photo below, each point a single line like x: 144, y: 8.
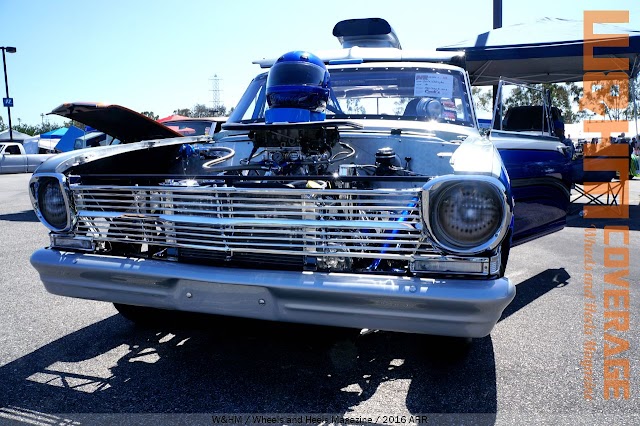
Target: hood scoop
x: 368, y: 32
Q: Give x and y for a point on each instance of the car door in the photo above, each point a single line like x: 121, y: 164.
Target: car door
x: 12, y: 160
x: 539, y: 169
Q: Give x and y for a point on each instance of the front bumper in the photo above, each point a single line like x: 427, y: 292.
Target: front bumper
x: 450, y: 307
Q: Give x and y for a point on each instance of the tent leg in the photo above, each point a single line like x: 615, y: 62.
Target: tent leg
x: 635, y: 104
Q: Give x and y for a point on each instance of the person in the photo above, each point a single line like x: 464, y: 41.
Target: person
x: 633, y: 158
x: 558, y: 124
x: 558, y: 127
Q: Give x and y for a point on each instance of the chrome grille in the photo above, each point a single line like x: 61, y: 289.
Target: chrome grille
x: 305, y: 222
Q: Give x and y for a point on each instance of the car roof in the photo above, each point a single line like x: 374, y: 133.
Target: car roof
x: 360, y: 55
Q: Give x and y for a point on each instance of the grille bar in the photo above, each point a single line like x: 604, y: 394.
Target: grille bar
x: 381, y: 224
x: 234, y: 202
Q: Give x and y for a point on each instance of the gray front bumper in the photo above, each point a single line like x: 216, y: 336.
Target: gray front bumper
x: 451, y: 307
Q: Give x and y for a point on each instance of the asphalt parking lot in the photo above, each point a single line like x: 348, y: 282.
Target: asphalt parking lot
x: 66, y: 361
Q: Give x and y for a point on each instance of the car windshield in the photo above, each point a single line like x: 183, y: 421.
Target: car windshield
x: 190, y: 127
x: 407, y: 93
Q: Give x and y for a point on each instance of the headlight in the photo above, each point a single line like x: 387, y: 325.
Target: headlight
x: 50, y: 201
x: 466, y: 215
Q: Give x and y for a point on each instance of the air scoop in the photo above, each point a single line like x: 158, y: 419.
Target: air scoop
x: 367, y: 32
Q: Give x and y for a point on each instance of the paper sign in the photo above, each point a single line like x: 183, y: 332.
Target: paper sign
x: 433, y: 85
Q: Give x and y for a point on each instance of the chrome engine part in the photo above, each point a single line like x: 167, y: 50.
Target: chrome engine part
x: 290, y: 152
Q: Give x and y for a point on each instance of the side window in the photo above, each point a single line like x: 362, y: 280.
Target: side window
x: 77, y: 144
x: 255, y: 110
x: 12, y: 149
x: 252, y: 103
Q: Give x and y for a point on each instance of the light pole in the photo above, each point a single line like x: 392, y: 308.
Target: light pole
x: 6, y: 83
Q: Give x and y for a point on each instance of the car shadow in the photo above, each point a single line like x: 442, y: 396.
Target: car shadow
x: 535, y: 287
x: 190, y: 365
x: 222, y: 365
x: 576, y: 220
x: 25, y: 216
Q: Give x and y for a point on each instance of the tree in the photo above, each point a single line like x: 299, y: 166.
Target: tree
x: 37, y: 129
x: 400, y: 104
x: 150, y: 114
x: 25, y: 128
x: 77, y: 124
x: 634, y: 97
x: 3, y: 126
x: 46, y: 127
x: 201, y: 110
x: 183, y: 111
x: 611, y: 99
x: 562, y: 96
x: 482, y: 99
x: 354, y: 107
x: 221, y: 111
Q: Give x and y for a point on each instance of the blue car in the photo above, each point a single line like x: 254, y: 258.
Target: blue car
x: 350, y: 188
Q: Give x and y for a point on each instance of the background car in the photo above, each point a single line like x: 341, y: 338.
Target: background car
x: 202, y: 126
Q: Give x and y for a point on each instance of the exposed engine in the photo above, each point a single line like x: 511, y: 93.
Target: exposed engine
x: 300, y: 151
x: 287, y: 152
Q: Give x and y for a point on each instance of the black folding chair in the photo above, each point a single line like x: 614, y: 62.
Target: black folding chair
x: 601, y: 191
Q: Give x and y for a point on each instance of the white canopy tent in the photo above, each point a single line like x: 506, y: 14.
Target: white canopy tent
x: 550, y: 50
x: 17, y: 136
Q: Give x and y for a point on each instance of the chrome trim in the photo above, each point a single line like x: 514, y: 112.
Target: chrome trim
x: 483, y: 261
x: 256, y: 222
x: 67, y: 196
x: 376, y: 224
x: 57, y: 241
x: 447, y: 306
x: 434, y: 186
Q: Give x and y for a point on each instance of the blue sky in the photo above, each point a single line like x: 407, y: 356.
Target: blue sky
x: 160, y: 55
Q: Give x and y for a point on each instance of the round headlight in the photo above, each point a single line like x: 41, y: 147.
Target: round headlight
x: 51, y: 203
x: 466, y: 215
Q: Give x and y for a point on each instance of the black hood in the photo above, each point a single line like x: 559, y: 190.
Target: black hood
x: 115, y: 120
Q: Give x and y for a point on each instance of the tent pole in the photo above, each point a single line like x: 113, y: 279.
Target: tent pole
x: 497, y: 14
x: 635, y: 104
x: 497, y: 23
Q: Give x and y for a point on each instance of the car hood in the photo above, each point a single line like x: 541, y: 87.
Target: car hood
x: 122, y: 123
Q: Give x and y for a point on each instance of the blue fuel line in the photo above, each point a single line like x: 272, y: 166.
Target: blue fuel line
x: 403, y: 217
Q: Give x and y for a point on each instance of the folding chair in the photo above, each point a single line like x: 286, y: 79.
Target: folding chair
x: 602, y: 191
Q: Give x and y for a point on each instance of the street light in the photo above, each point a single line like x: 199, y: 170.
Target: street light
x: 6, y: 83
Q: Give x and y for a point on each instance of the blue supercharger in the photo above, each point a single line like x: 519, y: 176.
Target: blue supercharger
x: 297, y: 89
